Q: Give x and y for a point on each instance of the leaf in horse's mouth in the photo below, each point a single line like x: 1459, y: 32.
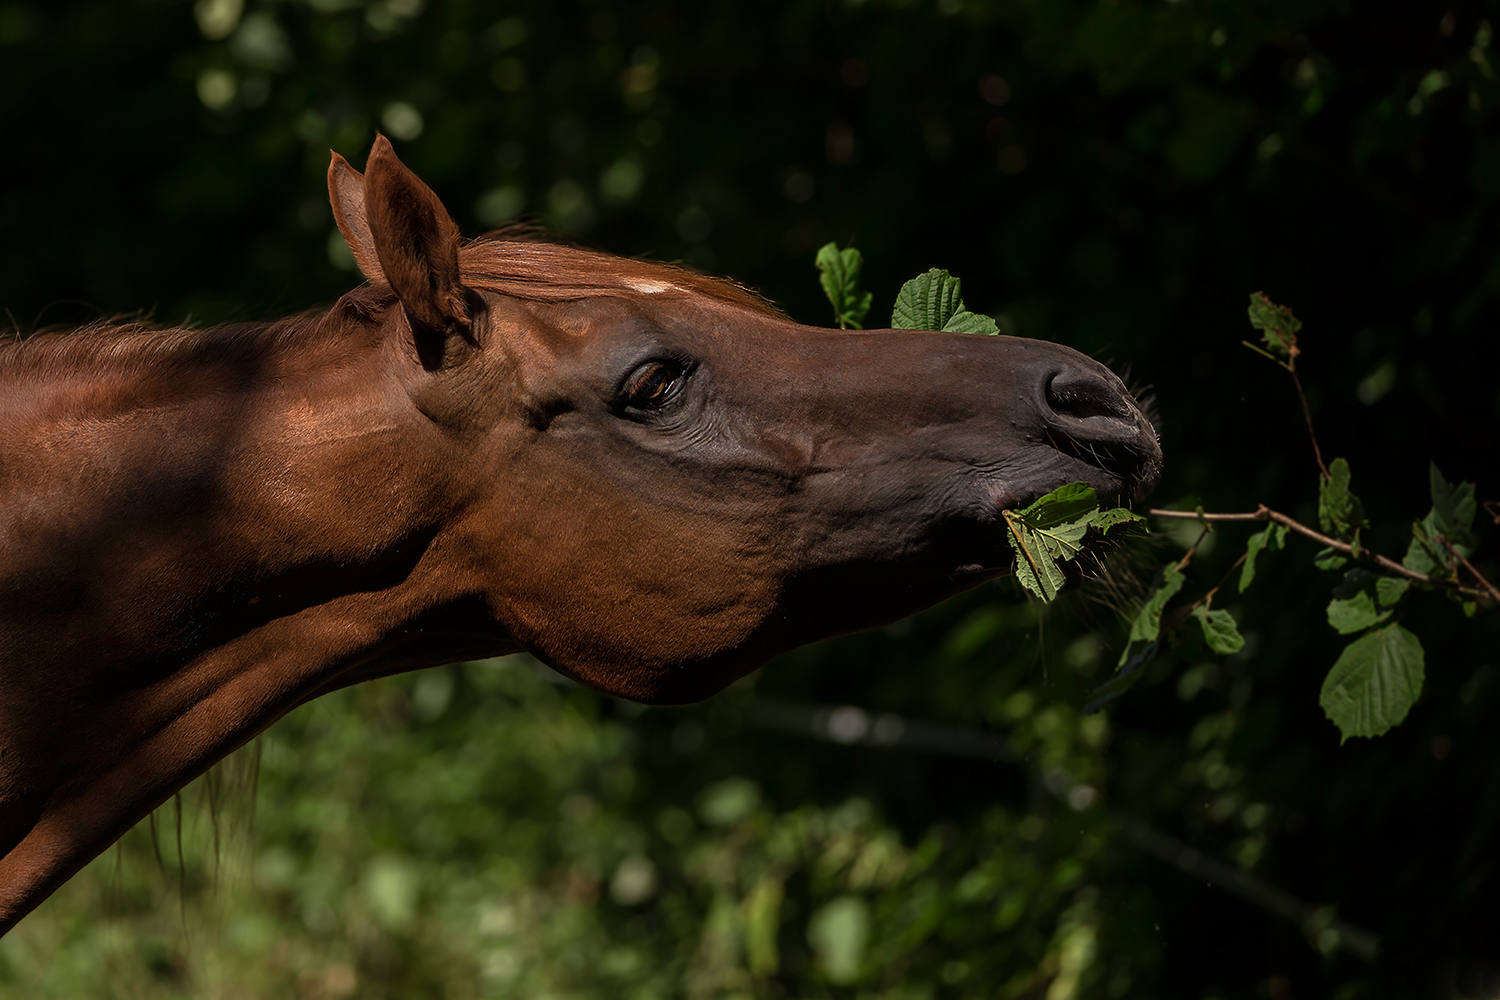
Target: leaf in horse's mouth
x: 1051, y: 531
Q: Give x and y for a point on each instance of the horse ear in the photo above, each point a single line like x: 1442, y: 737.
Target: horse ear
x: 346, y: 192
x: 415, y: 240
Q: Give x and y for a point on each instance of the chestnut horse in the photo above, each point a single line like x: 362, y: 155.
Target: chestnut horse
x: 650, y: 479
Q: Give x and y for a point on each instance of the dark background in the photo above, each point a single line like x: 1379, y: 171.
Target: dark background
x: 1115, y: 176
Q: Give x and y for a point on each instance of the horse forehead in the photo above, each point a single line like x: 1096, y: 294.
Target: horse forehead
x: 598, y: 320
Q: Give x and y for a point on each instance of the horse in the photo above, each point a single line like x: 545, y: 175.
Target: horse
x: 650, y: 479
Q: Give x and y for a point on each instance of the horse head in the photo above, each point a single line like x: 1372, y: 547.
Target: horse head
x: 666, y: 482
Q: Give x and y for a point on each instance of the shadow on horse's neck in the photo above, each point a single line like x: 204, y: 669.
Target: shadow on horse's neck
x: 112, y: 355
x: 202, y: 530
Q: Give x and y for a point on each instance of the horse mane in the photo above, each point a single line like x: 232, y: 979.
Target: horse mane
x: 133, y: 342
x: 515, y: 262
x: 519, y: 262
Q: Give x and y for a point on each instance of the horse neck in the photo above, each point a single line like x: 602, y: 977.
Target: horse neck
x: 192, y: 473
x: 106, y: 371
x: 191, y: 544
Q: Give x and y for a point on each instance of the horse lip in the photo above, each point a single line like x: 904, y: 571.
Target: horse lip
x: 1121, y: 493
x: 1148, y: 475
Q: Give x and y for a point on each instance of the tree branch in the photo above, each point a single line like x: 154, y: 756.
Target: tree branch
x: 1307, y: 415
x: 1494, y: 594
x: 1264, y: 513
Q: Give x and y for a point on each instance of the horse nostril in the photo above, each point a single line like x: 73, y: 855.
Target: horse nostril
x: 1083, y: 394
x: 1092, y: 417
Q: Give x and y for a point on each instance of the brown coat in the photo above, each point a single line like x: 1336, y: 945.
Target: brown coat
x: 650, y: 479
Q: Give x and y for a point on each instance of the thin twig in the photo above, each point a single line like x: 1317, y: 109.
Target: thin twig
x: 1188, y: 556
x: 1207, y: 600
x: 1290, y: 364
x: 1490, y: 587
x: 1307, y: 415
x: 1265, y: 513
x: 1263, y: 352
x: 1259, y: 515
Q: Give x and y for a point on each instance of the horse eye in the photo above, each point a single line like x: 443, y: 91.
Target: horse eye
x: 653, y: 385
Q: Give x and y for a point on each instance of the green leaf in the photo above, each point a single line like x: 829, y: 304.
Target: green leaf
x: 1339, y: 512
x: 1144, y: 640
x: 1041, y: 552
x: 1363, y: 600
x: 1115, y: 517
x: 1051, y: 531
x: 1270, y: 539
x: 932, y: 302
x: 1036, y: 570
x: 1390, y: 589
x: 1219, y: 630
x: 728, y: 801
x: 1066, y: 503
x: 927, y: 302
x: 1277, y: 325
x: 1333, y: 494
x: 1147, y: 623
x: 964, y: 321
x: 1423, y: 554
x: 838, y: 932
x: 1375, y: 682
x: 1355, y: 614
x: 1331, y: 560
x: 839, y: 274
x: 1453, y: 509
x: 762, y: 924
x: 1452, y: 518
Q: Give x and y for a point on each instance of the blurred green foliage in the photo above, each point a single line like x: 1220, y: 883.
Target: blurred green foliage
x: 1113, y: 175
x: 480, y: 830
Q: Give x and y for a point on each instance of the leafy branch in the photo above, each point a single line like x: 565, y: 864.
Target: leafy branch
x: 839, y: 271
x: 1279, y: 328
x: 1485, y: 591
x: 1489, y: 588
x: 930, y: 301
x: 1052, y: 530
x: 1378, y: 676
